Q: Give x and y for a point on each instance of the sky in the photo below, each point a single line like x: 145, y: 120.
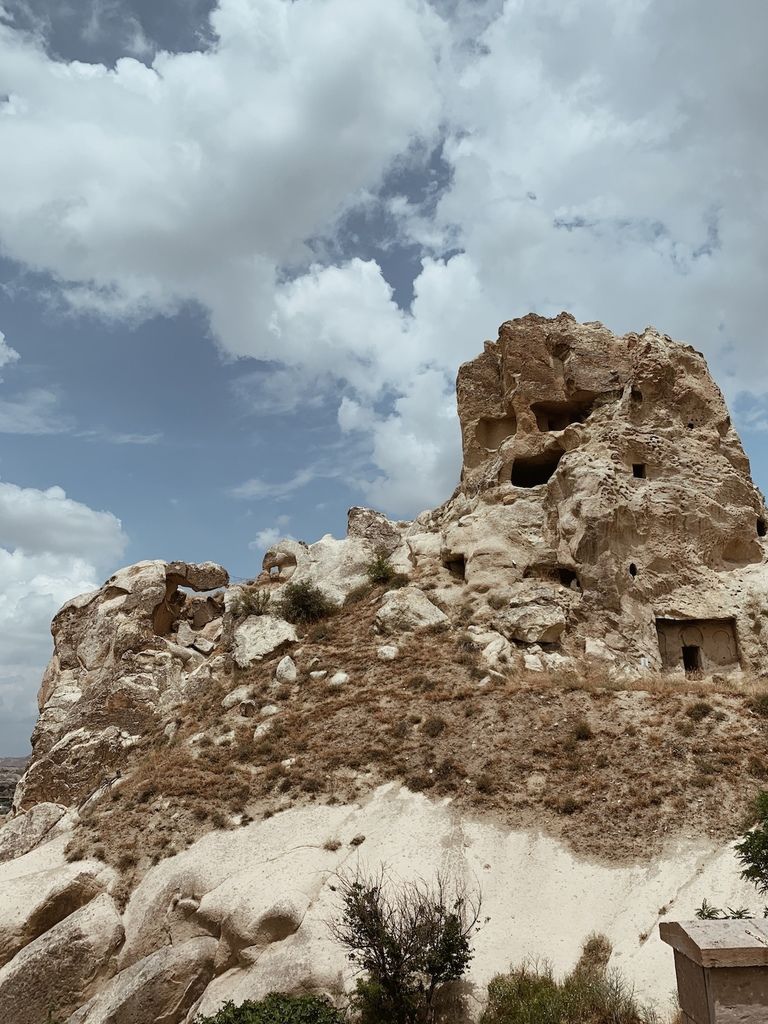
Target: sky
x: 245, y: 245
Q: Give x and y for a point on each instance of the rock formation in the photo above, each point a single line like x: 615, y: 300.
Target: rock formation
x: 535, y: 651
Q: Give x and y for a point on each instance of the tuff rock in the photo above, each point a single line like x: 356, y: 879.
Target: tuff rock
x: 605, y: 525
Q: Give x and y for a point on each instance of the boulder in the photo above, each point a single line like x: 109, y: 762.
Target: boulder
x: 33, y: 903
x: 162, y: 987
x: 260, y: 635
x: 26, y: 831
x: 368, y: 524
x: 54, y: 975
x: 407, y: 609
x: 532, y: 624
x: 286, y: 670
x: 387, y: 652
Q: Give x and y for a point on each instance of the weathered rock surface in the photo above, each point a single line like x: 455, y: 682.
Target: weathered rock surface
x: 605, y: 523
x: 612, y: 469
x: 26, y: 831
x: 60, y: 970
x: 34, y: 903
x: 161, y: 987
x: 259, y: 635
x: 114, y: 665
x: 408, y: 608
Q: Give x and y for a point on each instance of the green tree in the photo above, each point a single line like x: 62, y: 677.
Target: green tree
x: 408, y: 939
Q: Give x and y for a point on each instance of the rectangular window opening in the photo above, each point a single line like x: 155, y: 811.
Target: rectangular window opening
x: 639, y: 470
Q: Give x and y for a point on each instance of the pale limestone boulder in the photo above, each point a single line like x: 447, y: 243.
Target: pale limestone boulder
x: 339, y: 679
x: 238, y: 695
x: 33, y: 903
x: 64, y: 967
x: 23, y: 833
x: 286, y: 670
x: 162, y: 987
x: 531, y: 624
x: 260, y: 635
x: 335, y: 566
x: 387, y: 652
x: 407, y: 609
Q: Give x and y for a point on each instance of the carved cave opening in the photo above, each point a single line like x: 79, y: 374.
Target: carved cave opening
x: 692, y: 659
x: 456, y: 565
x: 698, y: 645
x: 762, y: 528
x: 492, y: 431
x: 535, y: 470
x: 559, y: 415
x: 639, y: 470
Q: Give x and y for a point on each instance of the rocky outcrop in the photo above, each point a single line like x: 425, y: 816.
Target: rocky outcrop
x: 605, y: 529
x: 606, y: 470
x: 161, y: 987
x: 123, y: 656
x: 54, y: 975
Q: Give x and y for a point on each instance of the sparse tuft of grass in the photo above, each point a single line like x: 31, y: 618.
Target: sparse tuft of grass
x: 699, y: 710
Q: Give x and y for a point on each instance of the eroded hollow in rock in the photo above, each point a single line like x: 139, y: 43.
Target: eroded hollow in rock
x: 535, y: 470
x: 169, y: 609
x: 456, y: 565
x: 558, y: 415
x: 491, y: 432
x: 698, y: 645
x: 280, y: 565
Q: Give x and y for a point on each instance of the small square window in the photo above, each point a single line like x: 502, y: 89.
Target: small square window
x: 639, y: 470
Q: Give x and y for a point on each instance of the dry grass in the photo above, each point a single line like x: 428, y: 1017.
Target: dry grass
x: 613, y: 769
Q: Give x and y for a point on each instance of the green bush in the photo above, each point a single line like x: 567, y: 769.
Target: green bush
x: 752, y: 851
x: 304, y: 602
x: 380, y: 570
x: 530, y: 994
x: 277, y: 1008
x: 249, y: 599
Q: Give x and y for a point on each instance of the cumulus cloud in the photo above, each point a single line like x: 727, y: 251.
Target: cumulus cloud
x: 7, y: 354
x: 602, y: 156
x: 51, y: 548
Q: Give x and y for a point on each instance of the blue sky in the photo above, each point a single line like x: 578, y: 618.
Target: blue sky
x: 245, y: 245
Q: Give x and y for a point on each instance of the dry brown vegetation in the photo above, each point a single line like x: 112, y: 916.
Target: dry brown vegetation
x: 613, y: 769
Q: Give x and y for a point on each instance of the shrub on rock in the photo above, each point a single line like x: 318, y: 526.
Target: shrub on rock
x: 277, y: 1008
x: 304, y: 602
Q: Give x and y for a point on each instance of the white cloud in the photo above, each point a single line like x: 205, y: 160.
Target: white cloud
x: 48, y: 522
x: 265, y: 538
x: 52, y: 549
x: 7, y: 354
x: 32, y: 412
x: 270, y: 535
x: 605, y: 156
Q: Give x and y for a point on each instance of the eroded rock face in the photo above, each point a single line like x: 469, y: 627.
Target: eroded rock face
x: 606, y: 471
x: 54, y: 975
x: 116, y: 667
x: 605, y: 522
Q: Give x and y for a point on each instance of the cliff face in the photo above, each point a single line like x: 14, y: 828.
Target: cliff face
x: 571, y: 644
x: 620, y: 476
